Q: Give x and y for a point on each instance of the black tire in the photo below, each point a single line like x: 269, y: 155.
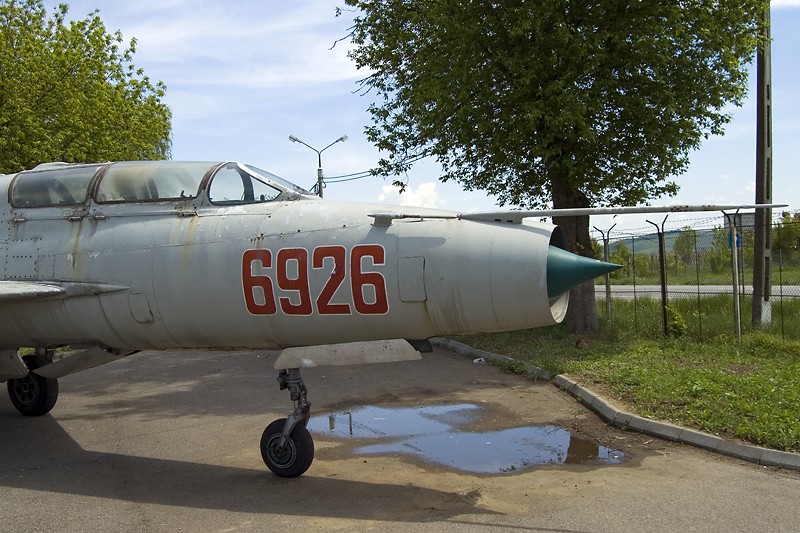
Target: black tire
x: 33, y: 395
x: 297, y: 453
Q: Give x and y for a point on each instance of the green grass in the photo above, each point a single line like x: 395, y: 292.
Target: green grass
x: 749, y: 391
x: 706, y: 317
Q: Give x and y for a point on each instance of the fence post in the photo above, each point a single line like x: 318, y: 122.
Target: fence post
x: 662, y: 264
x: 606, y: 236
x: 735, y: 263
x: 633, y: 271
x: 697, y: 280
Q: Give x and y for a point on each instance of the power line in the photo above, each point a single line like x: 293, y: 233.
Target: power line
x: 350, y: 177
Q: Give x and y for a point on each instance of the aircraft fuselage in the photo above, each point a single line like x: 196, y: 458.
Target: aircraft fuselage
x: 139, y: 272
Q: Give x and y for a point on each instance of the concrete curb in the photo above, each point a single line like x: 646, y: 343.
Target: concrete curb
x: 625, y: 420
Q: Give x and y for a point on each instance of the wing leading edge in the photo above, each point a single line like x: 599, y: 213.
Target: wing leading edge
x: 11, y: 291
x: 515, y: 217
x: 19, y: 290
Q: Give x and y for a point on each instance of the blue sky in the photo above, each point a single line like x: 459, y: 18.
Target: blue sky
x: 242, y: 76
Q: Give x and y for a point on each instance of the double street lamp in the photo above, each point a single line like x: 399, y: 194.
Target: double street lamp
x: 319, y: 157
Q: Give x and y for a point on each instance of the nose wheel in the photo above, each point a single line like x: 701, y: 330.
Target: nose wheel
x: 293, y: 456
x: 286, y: 445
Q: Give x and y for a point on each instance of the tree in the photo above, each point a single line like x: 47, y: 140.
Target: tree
x: 70, y: 92
x: 574, y: 103
x: 718, y: 257
x: 621, y: 255
x: 684, y: 248
x: 597, y: 249
x: 786, y: 238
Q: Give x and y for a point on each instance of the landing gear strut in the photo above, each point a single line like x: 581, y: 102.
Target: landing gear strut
x: 286, y: 444
x: 34, y: 395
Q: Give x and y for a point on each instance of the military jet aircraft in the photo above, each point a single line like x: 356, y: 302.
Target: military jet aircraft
x: 114, y: 258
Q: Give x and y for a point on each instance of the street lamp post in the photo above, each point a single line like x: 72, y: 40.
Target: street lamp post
x: 319, y: 157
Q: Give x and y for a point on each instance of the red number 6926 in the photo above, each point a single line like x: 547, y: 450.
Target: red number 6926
x: 291, y: 273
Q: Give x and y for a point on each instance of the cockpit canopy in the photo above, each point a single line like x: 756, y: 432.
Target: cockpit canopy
x: 62, y: 184
x: 133, y: 181
x: 52, y: 188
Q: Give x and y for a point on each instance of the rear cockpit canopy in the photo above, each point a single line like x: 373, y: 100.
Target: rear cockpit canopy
x: 63, y: 185
x: 55, y: 186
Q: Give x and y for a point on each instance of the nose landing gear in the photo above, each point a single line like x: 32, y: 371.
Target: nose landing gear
x: 286, y: 445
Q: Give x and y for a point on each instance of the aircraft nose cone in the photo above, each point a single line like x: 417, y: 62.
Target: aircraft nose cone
x: 565, y: 270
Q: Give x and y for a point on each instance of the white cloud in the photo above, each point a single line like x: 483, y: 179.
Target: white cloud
x: 246, y: 44
x: 423, y: 196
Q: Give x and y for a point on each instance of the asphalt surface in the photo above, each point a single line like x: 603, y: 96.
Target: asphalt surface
x: 169, y: 442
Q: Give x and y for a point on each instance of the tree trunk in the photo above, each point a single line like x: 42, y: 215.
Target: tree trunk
x: 582, y: 312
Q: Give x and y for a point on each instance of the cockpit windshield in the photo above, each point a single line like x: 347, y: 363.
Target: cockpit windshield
x: 235, y: 184
x: 280, y: 181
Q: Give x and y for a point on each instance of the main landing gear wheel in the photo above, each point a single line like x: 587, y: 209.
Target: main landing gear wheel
x: 33, y: 395
x: 286, y: 445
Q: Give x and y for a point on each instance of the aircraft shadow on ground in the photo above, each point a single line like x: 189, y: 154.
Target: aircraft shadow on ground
x: 38, y: 454
x: 173, y: 384
x: 169, y: 385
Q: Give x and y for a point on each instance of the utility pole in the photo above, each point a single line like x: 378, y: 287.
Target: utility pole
x: 762, y: 238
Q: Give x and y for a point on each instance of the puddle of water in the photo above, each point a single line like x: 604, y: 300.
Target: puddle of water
x: 432, y: 434
x: 379, y: 422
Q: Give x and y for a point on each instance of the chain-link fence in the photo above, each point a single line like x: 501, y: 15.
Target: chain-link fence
x: 679, y: 278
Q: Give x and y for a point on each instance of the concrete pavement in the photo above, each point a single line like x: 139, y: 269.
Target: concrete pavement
x: 169, y: 442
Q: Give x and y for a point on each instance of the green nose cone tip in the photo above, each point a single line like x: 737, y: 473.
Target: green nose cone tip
x: 566, y: 270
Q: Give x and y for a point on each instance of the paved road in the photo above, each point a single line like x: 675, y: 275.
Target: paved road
x: 168, y: 442
x: 688, y: 291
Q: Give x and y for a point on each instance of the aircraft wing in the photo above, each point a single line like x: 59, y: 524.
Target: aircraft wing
x: 19, y: 290
x: 27, y: 290
x: 515, y: 217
